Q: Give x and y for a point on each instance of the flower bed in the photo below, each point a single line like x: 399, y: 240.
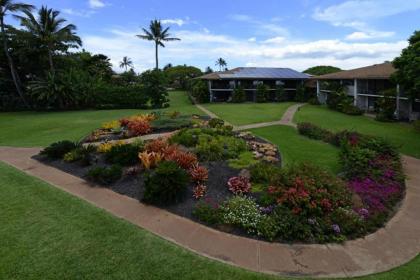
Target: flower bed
x: 234, y: 181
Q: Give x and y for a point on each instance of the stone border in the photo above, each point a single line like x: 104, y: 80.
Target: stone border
x: 395, y: 244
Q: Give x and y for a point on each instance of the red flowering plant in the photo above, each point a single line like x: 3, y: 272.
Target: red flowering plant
x: 198, y: 173
x: 199, y: 191
x: 139, y: 127
x: 239, y: 185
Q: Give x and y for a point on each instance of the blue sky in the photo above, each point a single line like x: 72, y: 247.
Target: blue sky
x: 272, y: 33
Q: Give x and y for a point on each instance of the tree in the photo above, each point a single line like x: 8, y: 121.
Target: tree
x: 208, y: 70
x: 158, y: 34
x: 179, y: 76
x: 167, y: 66
x: 221, y: 63
x: 6, y: 7
x: 49, y: 30
x: 321, y: 70
x: 408, y: 67
x: 125, y: 63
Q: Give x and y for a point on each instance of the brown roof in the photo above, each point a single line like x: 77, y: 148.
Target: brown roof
x: 377, y: 71
x: 215, y: 75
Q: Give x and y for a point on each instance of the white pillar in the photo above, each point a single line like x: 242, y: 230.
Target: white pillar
x: 398, y: 101
x: 210, y: 91
x: 355, y: 92
x: 318, y: 90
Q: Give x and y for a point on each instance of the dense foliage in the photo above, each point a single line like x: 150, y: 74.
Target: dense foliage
x: 321, y: 70
x: 179, y: 76
x: 408, y: 67
x: 338, y: 100
x: 199, y: 90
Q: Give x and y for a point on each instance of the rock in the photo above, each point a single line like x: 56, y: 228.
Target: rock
x: 245, y: 173
x: 270, y: 153
x: 270, y: 159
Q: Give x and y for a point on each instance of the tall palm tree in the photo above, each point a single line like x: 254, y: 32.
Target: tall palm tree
x: 125, y: 63
x: 6, y: 7
x: 157, y: 34
x: 221, y: 63
x: 49, y: 29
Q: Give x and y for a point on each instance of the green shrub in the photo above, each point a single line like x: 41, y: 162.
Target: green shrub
x: 214, y: 148
x: 300, y: 94
x: 280, y: 94
x: 124, y: 154
x: 350, y: 109
x: 262, y: 172
x: 121, y: 97
x: 416, y: 126
x: 105, y: 175
x: 207, y: 213
x: 186, y: 137
x: 172, y: 123
x: 215, y: 123
x: 238, y: 95
x: 314, y: 101
x: 261, y: 93
x: 81, y: 154
x: 59, y: 149
x: 386, y: 106
x: 242, y: 212
x: 267, y: 227
x: 200, y: 91
x: 244, y: 160
x: 154, y: 86
x: 166, y: 184
x: 315, y: 132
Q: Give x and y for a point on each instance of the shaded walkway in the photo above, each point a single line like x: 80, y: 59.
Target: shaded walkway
x: 392, y: 246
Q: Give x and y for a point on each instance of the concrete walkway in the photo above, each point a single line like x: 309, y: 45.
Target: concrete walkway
x: 392, y: 246
x: 286, y: 119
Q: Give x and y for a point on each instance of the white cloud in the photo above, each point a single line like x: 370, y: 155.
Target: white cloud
x: 177, y: 21
x: 359, y: 35
x: 261, y: 27
x: 95, y: 4
x: 201, y: 49
x: 252, y: 39
x: 355, y: 13
x: 81, y: 13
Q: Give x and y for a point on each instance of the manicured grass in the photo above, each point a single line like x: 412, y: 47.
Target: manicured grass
x: 46, y: 233
x: 248, y: 113
x: 31, y: 129
x: 296, y: 148
x: 401, y: 134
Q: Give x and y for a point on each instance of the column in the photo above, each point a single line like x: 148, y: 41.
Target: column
x: 398, y: 101
x: 318, y: 91
x: 210, y: 91
x: 355, y: 92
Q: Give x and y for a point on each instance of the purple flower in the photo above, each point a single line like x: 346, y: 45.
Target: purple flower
x: 267, y: 210
x: 336, y: 228
x: 363, y: 213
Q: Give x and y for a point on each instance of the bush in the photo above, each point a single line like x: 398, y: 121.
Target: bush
x: 165, y: 185
x: 105, y: 175
x: 139, y: 127
x: 300, y: 94
x: 199, y: 174
x: 261, y: 93
x: 314, y: 101
x: 81, y: 154
x: 262, y: 172
x: 215, y: 123
x: 59, y: 149
x: 239, y: 185
x: 154, y: 85
x: 238, y: 95
x: 186, y: 137
x: 124, y: 154
x: 241, y: 211
x: 280, y: 94
x: 214, y: 148
x: 200, y: 91
x: 207, y: 212
x: 315, y: 132
x: 386, y: 106
x: 121, y: 97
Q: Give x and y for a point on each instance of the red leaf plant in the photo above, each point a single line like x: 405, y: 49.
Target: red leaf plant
x: 239, y: 185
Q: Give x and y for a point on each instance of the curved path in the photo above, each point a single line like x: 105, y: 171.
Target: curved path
x: 387, y: 248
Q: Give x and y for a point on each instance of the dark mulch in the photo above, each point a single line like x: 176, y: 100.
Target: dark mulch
x: 133, y: 186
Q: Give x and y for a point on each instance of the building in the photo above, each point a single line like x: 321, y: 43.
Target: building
x: 365, y: 85
x: 222, y: 84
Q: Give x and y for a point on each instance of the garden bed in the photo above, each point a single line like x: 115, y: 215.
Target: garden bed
x: 234, y: 181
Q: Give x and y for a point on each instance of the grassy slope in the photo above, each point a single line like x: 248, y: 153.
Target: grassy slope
x: 296, y: 148
x: 402, y: 135
x: 29, y: 129
x: 247, y: 113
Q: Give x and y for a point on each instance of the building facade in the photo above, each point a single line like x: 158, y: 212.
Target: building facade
x: 365, y: 85
x: 222, y: 84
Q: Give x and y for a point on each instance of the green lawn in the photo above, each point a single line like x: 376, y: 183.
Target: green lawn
x: 46, y: 233
x: 248, y: 113
x: 29, y: 129
x: 401, y: 134
x: 296, y: 148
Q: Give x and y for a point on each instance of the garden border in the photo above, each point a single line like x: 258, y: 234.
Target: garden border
x: 395, y: 244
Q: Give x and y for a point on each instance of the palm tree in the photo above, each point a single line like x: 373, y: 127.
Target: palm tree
x: 221, y: 63
x: 125, y: 63
x: 6, y: 7
x: 157, y: 34
x: 49, y: 29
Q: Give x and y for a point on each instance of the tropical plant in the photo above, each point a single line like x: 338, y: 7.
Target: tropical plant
x: 154, y: 86
x: 57, y: 150
x: 321, y: 70
x: 11, y: 7
x: 126, y: 63
x: 238, y: 95
x: 239, y: 185
x: 158, y: 34
x: 49, y: 30
x: 221, y: 63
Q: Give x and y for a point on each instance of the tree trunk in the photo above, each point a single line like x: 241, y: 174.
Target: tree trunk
x: 156, y: 53
x: 15, y: 76
x: 50, y: 59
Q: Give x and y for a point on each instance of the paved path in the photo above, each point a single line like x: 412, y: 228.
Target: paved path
x: 286, y: 119
x: 392, y: 246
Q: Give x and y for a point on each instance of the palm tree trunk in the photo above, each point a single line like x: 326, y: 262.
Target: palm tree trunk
x: 50, y: 59
x: 15, y: 77
x: 156, y: 53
